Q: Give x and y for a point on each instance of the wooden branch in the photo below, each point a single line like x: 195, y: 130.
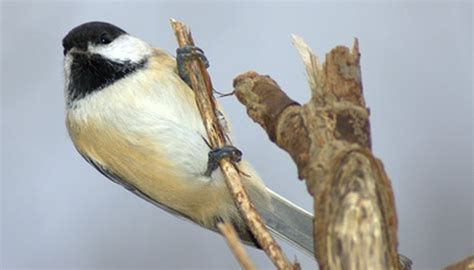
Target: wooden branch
x: 329, y: 140
x: 202, y: 86
x: 465, y: 264
x: 233, y: 241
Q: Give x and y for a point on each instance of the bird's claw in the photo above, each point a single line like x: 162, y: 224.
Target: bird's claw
x: 217, y: 154
x: 185, y: 53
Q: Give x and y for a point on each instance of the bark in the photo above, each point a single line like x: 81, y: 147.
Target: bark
x: 329, y: 140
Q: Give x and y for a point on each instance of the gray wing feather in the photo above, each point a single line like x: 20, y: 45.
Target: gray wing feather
x: 289, y: 222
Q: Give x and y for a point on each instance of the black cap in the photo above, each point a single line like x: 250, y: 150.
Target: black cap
x: 93, y: 32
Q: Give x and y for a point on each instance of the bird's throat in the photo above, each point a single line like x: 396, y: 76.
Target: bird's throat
x: 92, y: 72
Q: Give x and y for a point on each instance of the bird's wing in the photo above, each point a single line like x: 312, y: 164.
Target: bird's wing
x: 116, y: 179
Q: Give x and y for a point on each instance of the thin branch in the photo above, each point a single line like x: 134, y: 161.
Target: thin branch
x: 202, y: 86
x: 232, y: 239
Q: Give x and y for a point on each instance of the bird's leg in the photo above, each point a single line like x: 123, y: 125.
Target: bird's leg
x: 217, y: 154
x: 182, y: 55
x: 185, y: 53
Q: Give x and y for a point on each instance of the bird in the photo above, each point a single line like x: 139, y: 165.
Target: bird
x: 132, y: 115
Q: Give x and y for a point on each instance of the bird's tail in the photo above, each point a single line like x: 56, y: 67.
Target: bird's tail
x: 289, y: 222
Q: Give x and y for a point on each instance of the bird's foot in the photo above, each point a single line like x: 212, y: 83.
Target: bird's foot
x: 217, y: 154
x: 185, y: 53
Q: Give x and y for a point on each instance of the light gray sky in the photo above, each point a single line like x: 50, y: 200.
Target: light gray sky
x: 57, y: 211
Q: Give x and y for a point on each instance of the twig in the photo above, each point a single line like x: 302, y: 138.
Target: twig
x: 202, y: 86
x: 232, y: 239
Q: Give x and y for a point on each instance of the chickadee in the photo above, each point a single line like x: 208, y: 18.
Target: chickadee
x: 132, y: 117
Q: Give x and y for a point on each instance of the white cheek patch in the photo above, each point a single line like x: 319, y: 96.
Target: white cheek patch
x: 122, y: 49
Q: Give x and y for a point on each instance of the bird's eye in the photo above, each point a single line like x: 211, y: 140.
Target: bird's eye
x: 105, y: 38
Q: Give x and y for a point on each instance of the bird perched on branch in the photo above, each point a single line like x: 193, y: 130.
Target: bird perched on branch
x: 131, y: 115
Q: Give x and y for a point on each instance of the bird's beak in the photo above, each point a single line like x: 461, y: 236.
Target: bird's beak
x: 75, y: 50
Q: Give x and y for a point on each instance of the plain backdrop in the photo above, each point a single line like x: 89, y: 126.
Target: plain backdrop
x: 59, y: 212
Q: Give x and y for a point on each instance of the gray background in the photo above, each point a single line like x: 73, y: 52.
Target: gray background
x: 57, y: 211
